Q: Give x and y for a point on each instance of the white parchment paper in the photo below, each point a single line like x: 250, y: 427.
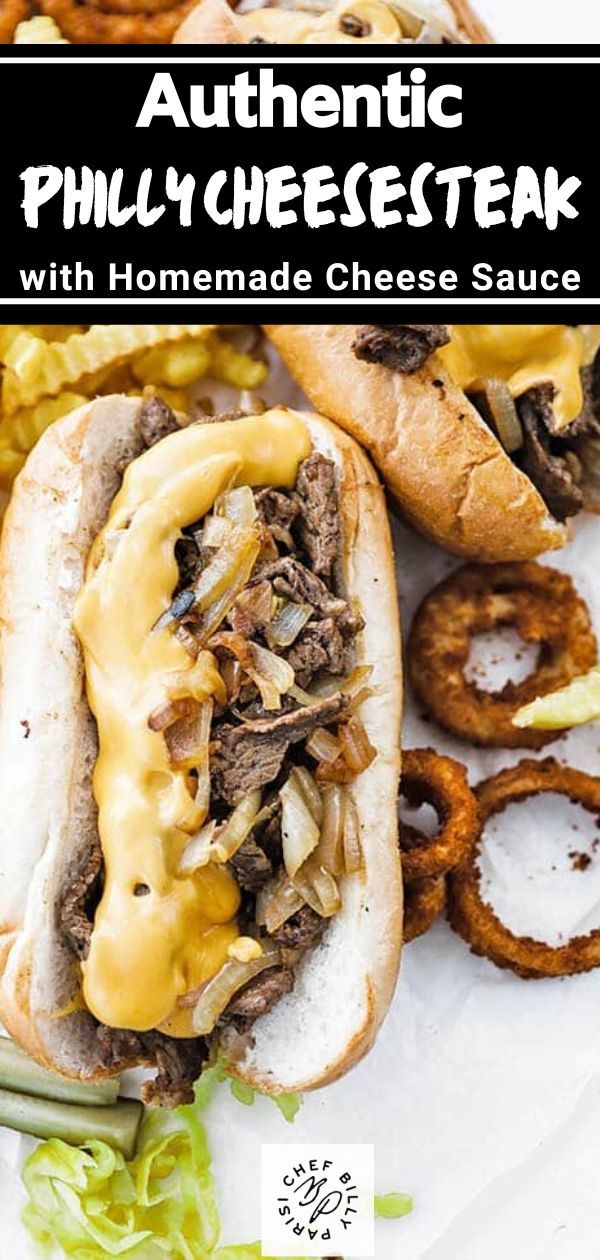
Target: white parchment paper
x: 482, y: 1096
x: 541, y: 21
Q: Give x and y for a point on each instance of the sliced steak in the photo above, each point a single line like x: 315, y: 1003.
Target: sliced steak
x: 400, y: 347
x: 179, y: 1061
x: 157, y: 420
x: 318, y: 524
x: 320, y: 646
x: 76, y: 913
x: 278, y: 510
x: 293, y: 580
x: 251, y: 866
x: 189, y: 561
x: 301, y: 930
x: 249, y: 756
x: 586, y: 444
x: 549, y: 471
x: 260, y: 995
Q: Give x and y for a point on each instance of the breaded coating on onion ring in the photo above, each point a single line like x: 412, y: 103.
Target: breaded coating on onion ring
x: 84, y: 23
x: 542, y: 605
x: 11, y: 13
x: 424, y: 900
x: 476, y: 921
x: 442, y: 783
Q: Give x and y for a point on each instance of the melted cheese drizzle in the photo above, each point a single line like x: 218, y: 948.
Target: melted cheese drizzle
x: 524, y: 355
x: 146, y: 951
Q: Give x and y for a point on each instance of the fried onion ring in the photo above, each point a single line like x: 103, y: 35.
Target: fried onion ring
x: 11, y: 13
x: 442, y: 783
x: 423, y: 902
x: 476, y: 921
x: 84, y: 24
x: 133, y: 7
x: 543, y: 606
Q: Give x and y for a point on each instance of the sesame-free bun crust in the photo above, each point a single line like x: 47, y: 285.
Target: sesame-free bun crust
x: 441, y: 463
x: 48, y: 738
x: 215, y: 22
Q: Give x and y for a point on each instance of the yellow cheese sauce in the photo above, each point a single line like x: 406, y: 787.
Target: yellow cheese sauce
x: 381, y: 25
x: 148, y: 950
x: 523, y: 355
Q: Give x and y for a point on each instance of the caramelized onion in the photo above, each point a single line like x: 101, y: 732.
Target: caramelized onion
x: 318, y: 888
x: 288, y: 624
x: 337, y: 771
x: 322, y: 745
x: 237, y: 505
x: 218, y: 992
x: 171, y: 711
x: 197, y: 852
x: 222, y: 575
x: 353, y: 854
x: 357, y: 749
x: 219, y: 843
x: 504, y: 413
x: 187, y: 738
x: 215, y: 531
x: 253, y: 607
x: 276, y: 902
x: 299, y: 828
x: 271, y: 674
x: 329, y: 849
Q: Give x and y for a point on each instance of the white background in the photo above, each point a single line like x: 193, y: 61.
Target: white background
x: 542, y: 21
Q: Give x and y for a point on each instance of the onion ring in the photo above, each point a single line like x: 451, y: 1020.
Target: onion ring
x: 476, y: 921
x: 84, y: 24
x: 423, y: 902
x: 133, y: 7
x: 441, y: 782
x: 12, y: 12
x: 541, y: 603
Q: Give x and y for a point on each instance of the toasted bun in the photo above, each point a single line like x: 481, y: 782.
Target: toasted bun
x: 440, y: 461
x: 214, y: 22
x: 48, y: 738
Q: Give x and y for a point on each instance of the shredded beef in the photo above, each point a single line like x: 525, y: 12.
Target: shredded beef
x: 270, y: 838
x: 251, y: 866
x: 320, y: 646
x: 249, y: 756
x: 278, y: 510
x: 318, y: 524
x: 201, y: 416
x: 76, y: 913
x: 293, y: 580
x: 400, y: 347
x: 549, y: 471
x: 260, y: 995
x: 179, y: 1061
x: 586, y: 444
x: 157, y: 420
x: 301, y: 930
x: 189, y: 561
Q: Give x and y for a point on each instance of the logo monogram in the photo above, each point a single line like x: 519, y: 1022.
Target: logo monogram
x: 317, y: 1198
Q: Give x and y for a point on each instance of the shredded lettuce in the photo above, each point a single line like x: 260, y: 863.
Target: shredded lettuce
x: 391, y: 1206
x: 288, y: 1104
x: 94, y: 1204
